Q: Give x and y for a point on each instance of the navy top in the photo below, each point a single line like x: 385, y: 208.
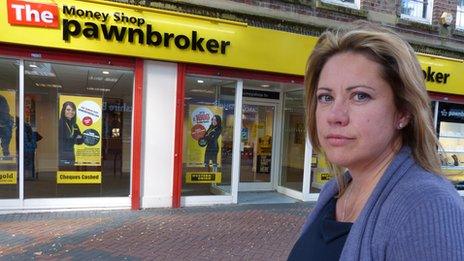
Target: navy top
x: 324, y: 239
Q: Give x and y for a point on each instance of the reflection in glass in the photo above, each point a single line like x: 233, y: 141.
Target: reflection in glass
x: 9, y: 100
x: 208, y: 135
x: 293, y: 143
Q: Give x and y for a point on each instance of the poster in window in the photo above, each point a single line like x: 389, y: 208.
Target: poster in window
x: 8, y: 148
x: 205, y: 140
x: 79, y: 137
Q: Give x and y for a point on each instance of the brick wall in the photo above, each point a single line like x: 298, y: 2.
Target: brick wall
x: 441, y: 6
x: 381, y: 6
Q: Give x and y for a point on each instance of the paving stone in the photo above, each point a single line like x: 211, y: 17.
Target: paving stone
x: 222, y: 232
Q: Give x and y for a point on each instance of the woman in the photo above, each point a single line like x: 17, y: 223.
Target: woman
x: 210, y: 140
x: 6, y: 126
x: 68, y: 134
x: 368, y: 113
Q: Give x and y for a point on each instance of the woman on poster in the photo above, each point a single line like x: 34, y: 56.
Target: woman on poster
x: 210, y: 140
x: 6, y: 126
x: 68, y: 134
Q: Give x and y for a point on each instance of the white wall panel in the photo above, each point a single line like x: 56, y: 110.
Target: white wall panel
x: 159, y: 112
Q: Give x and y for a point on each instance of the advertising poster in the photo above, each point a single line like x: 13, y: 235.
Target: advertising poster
x: 78, y: 177
x: 7, y: 177
x: 203, y: 177
x: 79, y: 137
x: 205, y: 140
x: 8, y: 148
x: 7, y: 126
x: 321, y: 173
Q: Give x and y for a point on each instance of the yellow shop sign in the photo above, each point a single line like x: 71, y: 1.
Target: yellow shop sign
x: 113, y: 28
x: 143, y: 34
x: 442, y: 74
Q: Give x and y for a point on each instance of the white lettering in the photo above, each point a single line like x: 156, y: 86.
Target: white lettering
x: 18, y: 11
x: 30, y: 12
x: 47, y: 17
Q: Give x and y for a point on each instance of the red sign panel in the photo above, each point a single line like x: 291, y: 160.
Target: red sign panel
x: 32, y: 14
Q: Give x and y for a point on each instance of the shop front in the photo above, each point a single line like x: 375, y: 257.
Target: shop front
x: 111, y: 105
x: 106, y: 105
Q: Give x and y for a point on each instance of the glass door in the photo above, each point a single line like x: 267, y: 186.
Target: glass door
x: 450, y: 127
x: 293, y: 141
x: 257, y: 143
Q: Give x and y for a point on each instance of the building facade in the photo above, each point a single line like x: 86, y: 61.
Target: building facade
x: 180, y: 103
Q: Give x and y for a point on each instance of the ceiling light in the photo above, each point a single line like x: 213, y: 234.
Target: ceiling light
x: 105, y: 72
x: 98, y: 89
x: 48, y: 85
x: 200, y: 81
x: 201, y: 91
x: 265, y: 85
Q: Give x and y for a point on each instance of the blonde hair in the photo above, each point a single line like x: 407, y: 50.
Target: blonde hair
x: 399, y: 68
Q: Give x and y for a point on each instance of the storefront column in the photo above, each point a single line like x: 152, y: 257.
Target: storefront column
x: 137, y: 134
x: 237, y: 140
x: 177, y: 182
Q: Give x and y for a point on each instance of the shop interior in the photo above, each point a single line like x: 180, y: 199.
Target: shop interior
x: 265, y: 106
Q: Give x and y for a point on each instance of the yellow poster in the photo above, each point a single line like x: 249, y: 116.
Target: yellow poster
x: 78, y: 177
x: 79, y: 134
x: 321, y: 171
x: 8, y: 177
x: 7, y: 127
x: 205, y: 139
x: 203, y: 177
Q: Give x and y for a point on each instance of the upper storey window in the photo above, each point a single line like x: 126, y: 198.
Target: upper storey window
x: 417, y: 10
x: 460, y: 15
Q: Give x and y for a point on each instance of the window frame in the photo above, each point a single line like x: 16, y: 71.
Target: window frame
x: 44, y: 54
x: 429, y: 14
x: 356, y: 5
x: 460, y: 9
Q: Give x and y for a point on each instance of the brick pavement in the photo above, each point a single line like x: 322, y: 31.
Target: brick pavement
x: 232, y: 232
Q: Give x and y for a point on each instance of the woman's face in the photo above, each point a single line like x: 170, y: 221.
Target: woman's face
x: 214, y: 121
x: 355, y: 115
x: 69, y: 112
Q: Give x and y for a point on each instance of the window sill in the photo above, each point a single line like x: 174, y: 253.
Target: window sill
x: 332, y: 6
x: 458, y: 31
x: 416, y: 20
x: 415, y: 23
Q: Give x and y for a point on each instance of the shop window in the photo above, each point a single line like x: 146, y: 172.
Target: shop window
x: 81, y: 120
x: 208, y: 136
x: 460, y: 15
x: 9, y: 129
x: 294, y: 139
x: 417, y: 10
x: 450, y: 128
x: 346, y: 3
